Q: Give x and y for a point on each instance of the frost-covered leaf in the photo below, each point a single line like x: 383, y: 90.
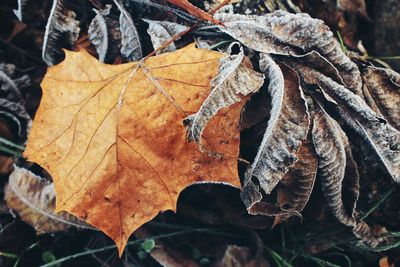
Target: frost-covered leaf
x: 8, y: 86
x: 12, y: 110
x: 296, y: 186
x: 98, y: 32
x: 20, y: 9
x: 234, y: 80
x: 287, y: 127
x: 292, y: 34
x: 163, y: 31
x: 382, y: 138
x: 331, y: 146
x: 383, y: 88
x: 16, y: 114
x: 34, y: 198
x: 10, y: 81
x: 61, y: 30
x: 288, y: 115
x: 131, y: 48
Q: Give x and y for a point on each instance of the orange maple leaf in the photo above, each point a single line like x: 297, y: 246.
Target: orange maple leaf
x: 113, y: 140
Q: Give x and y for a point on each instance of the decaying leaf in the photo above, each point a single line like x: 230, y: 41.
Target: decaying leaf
x: 61, y: 30
x: 331, y: 145
x: 8, y: 86
x: 380, y: 136
x: 34, y: 199
x: 287, y: 127
x: 292, y: 34
x: 382, y: 93
x: 113, y: 140
x: 234, y: 80
x: 131, y: 48
x: 296, y: 186
x: 13, y: 114
x: 98, y: 32
x: 163, y: 31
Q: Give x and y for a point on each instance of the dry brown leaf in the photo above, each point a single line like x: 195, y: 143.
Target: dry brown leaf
x: 62, y: 28
x: 287, y: 127
x: 380, y: 136
x: 382, y: 93
x: 296, y: 186
x: 331, y: 146
x: 284, y: 33
x: 113, y: 140
x: 33, y: 198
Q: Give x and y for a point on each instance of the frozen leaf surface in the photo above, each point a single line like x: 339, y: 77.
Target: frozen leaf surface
x: 163, y: 31
x: 292, y: 34
x: 34, y: 199
x: 98, y: 32
x: 131, y: 48
x: 287, y: 127
x: 61, y: 30
x: 383, y: 87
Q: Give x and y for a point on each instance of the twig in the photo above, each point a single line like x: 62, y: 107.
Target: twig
x: 179, y: 35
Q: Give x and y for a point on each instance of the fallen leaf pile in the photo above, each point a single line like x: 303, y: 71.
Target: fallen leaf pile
x: 122, y: 141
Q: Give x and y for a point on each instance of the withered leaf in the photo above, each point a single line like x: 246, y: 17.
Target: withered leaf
x: 16, y: 114
x: 61, y: 29
x: 14, y: 118
x: 234, y: 80
x: 8, y: 86
x: 287, y: 127
x: 163, y: 31
x: 34, y: 199
x: 331, y: 146
x: 131, y: 48
x: 383, y: 86
x: 292, y: 34
x: 296, y: 186
x: 98, y: 32
x: 113, y: 140
x: 383, y: 138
